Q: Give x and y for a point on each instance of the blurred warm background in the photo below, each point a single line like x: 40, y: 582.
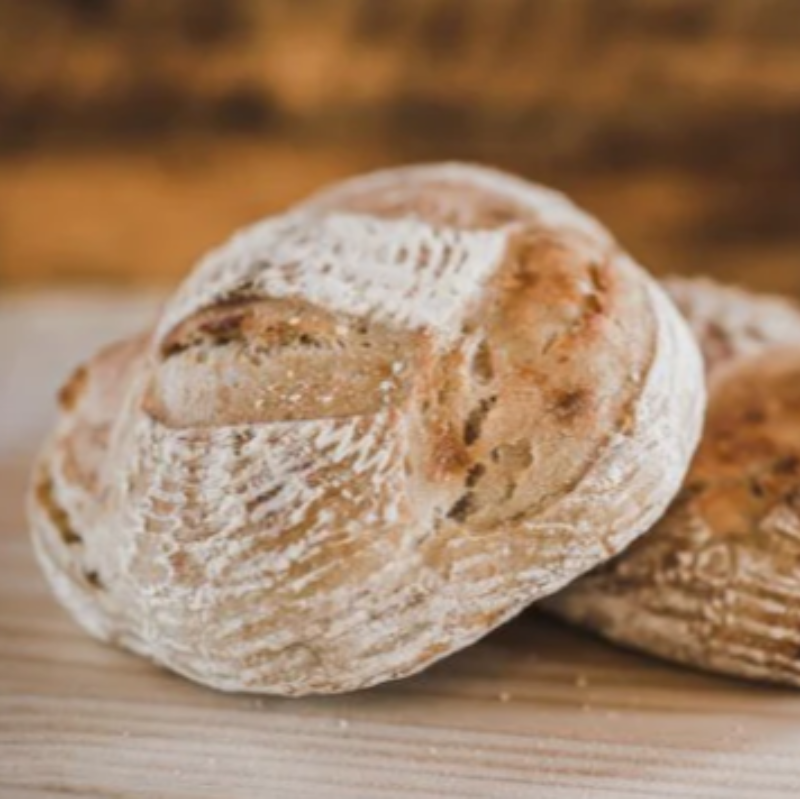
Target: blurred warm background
x: 135, y: 134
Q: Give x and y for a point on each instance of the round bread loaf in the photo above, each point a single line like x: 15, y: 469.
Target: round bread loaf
x: 715, y: 584
x: 366, y: 432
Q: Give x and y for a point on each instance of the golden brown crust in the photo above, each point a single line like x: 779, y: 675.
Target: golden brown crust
x: 261, y: 360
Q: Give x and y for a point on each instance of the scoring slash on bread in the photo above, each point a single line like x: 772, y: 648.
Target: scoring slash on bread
x: 366, y: 432
x: 716, y: 583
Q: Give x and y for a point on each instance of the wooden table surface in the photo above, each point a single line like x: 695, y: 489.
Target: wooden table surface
x: 535, y: 711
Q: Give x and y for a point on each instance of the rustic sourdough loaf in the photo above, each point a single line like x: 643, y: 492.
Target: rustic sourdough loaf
x: 366, y: 432
x: 715, y: 584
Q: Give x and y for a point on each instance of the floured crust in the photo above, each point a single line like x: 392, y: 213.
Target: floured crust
x: 731, y: 323
x: 366, y: 432
x: 715, y: 583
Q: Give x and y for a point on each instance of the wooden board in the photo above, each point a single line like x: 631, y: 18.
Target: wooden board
x: 535, y: 711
